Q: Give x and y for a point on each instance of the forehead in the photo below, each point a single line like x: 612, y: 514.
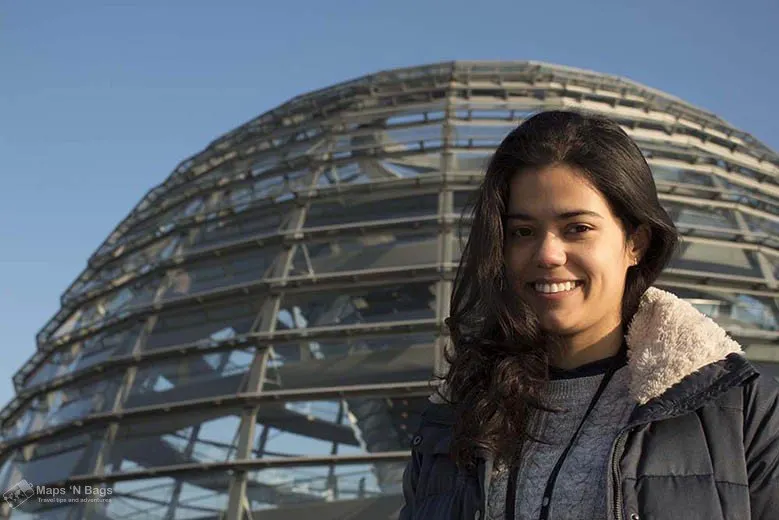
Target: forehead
x: 553, y: 190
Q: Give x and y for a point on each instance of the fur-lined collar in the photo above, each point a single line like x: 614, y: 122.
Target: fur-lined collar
x: 667, y: 340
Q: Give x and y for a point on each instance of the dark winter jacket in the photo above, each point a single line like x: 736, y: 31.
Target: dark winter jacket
x: 702, y: 442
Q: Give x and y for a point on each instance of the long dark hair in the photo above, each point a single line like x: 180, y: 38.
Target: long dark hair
x: 499, y: 356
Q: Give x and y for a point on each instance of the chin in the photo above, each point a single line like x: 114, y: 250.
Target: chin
x: 557, y: 326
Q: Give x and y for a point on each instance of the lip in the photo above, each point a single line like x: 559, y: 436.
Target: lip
x: 554, y: 280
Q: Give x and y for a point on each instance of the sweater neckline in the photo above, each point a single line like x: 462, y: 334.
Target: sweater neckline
x: 595, y: 368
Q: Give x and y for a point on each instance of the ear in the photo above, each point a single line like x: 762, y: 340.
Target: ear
x: 639, y: 243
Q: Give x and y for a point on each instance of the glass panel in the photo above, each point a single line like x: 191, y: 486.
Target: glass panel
x: 471, y: 162
x: 754, y: 312
x: 263, y: 162
x: 59, y: 459
x: 53, y: 366
x: 288, y: 487
x: 375, y: 251
x: 398, y: 168
x: 350, y: 173
x: 143, y: 259
x: 399, y: 138
x: 85, y: 353
x: 105, y: 346
x: 193, y: 377
x: 481, y: 135
x: 33, y: 510
x: 74, y: 402
x: 206, y: 323
x: 762, y: 225
x: 237, y: 268
x: 30, y: 419
x: 717, y: 259
x: 700, y: 217
x: 741, y: 311
x: 73, y: 322
x: 110, y: 305
x: 356, y: 425
x: 241, y: 197
x: 350, y: 361
x: 677, y: 175
x: 163, y: 222
x: 463, y: 202
x: 177, y: 439
x: 190, y: 497
x: 413, y: 301
x: 150, y: 255
x: 124, y: 299
x: 62, y: 406
x: 6, y: 471
x: 279, y: 186
x: 431, y: 112
x: 351, y: 210
x: 370, y: 169
x: 240, y: 227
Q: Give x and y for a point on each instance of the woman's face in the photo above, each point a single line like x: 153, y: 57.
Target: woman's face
x: 566, y: 252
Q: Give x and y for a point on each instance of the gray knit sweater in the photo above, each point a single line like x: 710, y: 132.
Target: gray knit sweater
x: 580, y: 488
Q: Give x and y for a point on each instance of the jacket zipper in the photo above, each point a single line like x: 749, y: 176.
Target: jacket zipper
x: 615, y: 476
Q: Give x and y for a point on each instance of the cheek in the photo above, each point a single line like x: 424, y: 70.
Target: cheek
x: 601, y: 267
x: 608, y: 271
x: 513, y: 259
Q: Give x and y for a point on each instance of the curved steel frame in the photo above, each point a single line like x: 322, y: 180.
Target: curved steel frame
x: 253, y: 221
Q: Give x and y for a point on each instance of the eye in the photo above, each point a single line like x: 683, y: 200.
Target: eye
x: 580, y: 229
x: 521, y: 232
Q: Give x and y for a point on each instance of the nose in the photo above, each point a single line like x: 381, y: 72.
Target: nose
x: 550, y: 252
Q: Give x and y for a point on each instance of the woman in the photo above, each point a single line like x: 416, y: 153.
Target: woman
x: 575, y: 389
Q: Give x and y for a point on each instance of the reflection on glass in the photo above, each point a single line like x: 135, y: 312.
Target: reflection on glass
x: 346, y: 211
x: 412, y: 301
x: 58, y: 459
x: 712, y: 258
x: 741, y: 311
x: 228, y: 270
x: 195, y: 376
x: 185, y: 497
x: 188, y: 438
x: 203, y: 323
x: 375, y: 251
x: 312, y: 484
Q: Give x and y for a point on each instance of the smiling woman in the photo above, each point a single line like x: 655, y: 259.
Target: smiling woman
x: 567, y: 255
x: 575, y: 389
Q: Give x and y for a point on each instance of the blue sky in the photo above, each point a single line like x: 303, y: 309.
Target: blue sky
x: 100, y: 100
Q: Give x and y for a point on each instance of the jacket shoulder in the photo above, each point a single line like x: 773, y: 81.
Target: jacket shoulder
x: 435, y: 428
x: 761, y: 443
x: 762, y: 388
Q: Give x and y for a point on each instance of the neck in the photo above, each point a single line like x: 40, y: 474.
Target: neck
x: 579, y: 350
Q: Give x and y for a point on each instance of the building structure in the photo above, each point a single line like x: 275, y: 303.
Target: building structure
x: 256, y: 339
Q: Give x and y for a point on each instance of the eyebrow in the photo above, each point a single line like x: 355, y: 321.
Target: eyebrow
x: 560, y: 216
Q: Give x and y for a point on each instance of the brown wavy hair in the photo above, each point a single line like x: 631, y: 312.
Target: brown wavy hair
x: 498, y: 355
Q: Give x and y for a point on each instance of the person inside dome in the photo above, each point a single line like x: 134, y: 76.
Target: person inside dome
x: 575, y: 389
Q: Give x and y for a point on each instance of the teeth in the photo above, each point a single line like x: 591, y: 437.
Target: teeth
x: 551, y: 288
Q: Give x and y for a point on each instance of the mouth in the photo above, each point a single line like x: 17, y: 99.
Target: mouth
x: 555, y: 289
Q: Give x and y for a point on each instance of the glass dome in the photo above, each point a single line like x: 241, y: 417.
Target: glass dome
x: 259, y: 333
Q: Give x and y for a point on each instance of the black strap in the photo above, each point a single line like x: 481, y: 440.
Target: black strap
x: 511, y: 492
